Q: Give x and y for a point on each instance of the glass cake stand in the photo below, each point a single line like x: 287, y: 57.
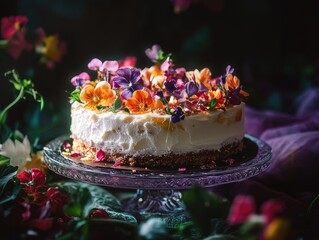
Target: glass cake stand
x: 158, y: 192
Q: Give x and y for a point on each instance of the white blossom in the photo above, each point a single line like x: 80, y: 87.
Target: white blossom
x: 18, y: 152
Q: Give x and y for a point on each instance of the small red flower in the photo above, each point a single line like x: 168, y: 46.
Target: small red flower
x: 241, y: 209
x: 33, y: 178
x: 99, y: 213
x: 56, y: 198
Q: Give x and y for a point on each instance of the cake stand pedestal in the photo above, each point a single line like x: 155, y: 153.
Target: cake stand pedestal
x: 158, y: 191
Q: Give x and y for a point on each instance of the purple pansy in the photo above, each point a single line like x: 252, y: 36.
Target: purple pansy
x: 152, y: 53
x: 178, y: 115
x: 78, y: 80
x: 191, y: 88
x: 128, y: 78
x: 170, y: 86
x: 234, y: 97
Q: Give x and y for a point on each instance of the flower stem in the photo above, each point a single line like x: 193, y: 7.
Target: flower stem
x: 2, y: 114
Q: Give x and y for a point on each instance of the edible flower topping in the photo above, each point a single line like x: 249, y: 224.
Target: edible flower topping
x: 100, y: 95
x: 140, y: 102
x: 160, y: 88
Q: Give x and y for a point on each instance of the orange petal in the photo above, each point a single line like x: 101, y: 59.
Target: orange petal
x: 133, y: 105
x: 87, y: 93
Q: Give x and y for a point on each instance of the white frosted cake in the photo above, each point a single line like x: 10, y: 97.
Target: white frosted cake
x: 158, y: 117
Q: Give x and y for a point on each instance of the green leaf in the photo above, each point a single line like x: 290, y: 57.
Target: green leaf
x: 98, y: 198
x: 7, y: 172
x: 204, y: 207
x: 117, y: 103
x: 212, y: 103
x: 75, y: 95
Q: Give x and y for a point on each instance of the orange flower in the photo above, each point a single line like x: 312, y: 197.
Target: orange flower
x: 203, y: 77
x: 234, y: 82
x: 150, y: 73
x: 219, y: 96
x: 102, y: 94
x: 140, y: 102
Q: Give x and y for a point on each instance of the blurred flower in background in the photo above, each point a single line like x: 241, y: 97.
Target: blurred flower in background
x: 17, y: 39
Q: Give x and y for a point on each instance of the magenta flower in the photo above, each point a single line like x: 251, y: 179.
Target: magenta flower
x: 11, y: 25
x: 127, y: 62
x: 242, y: 208
x: 153, y: 53
x: 79, y: 80
x: 271, y: 208
x: 129, y: 79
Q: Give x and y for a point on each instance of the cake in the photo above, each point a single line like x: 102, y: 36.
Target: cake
x: 156, y: 117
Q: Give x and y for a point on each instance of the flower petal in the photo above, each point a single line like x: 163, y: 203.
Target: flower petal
x: 111, y: 66
x: 95, y: 64
x: 87, y: 93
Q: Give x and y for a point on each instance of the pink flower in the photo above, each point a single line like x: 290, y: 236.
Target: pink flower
x: 241, y: 209
x: 11, y: 25
x: 127, y: 62
x: 99, y: 213
x: 97, y: 65
x: 271, y: 208
x: 79, y: 80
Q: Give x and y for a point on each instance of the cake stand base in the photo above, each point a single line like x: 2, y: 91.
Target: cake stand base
x: 164, y: 204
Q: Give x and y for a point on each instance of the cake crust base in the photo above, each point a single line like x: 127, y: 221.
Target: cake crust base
x: 199, y: 159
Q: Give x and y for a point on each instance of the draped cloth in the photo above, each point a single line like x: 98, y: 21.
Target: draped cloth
x: 293, y: 175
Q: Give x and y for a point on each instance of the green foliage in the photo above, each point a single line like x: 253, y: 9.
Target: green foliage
x: 204, y: 207
x: 24, y: 87
x: 75, y: 95
x: 9, y: 190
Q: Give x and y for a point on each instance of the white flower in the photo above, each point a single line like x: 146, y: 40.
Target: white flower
x: 18, y: 152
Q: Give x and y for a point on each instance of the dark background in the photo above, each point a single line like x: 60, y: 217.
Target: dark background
x: 273, y: 46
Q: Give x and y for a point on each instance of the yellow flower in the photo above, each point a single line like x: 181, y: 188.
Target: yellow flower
x: 278, y: 229
x: 53, y: 48
x: 140, y: 102
x: 102, y: 94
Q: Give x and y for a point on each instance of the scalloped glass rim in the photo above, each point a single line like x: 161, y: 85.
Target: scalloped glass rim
x: 119, y: 178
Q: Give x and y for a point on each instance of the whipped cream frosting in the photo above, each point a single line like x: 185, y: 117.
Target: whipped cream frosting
x: 155, y: 134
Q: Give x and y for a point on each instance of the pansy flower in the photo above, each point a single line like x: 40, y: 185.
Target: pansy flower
x: 129, y: 80
x: 178, y: 115
x: 140, y: 102
x: 100, y: 95
x: 79, y: 80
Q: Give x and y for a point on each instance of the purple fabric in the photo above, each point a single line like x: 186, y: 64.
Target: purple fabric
x: 293, y: 176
